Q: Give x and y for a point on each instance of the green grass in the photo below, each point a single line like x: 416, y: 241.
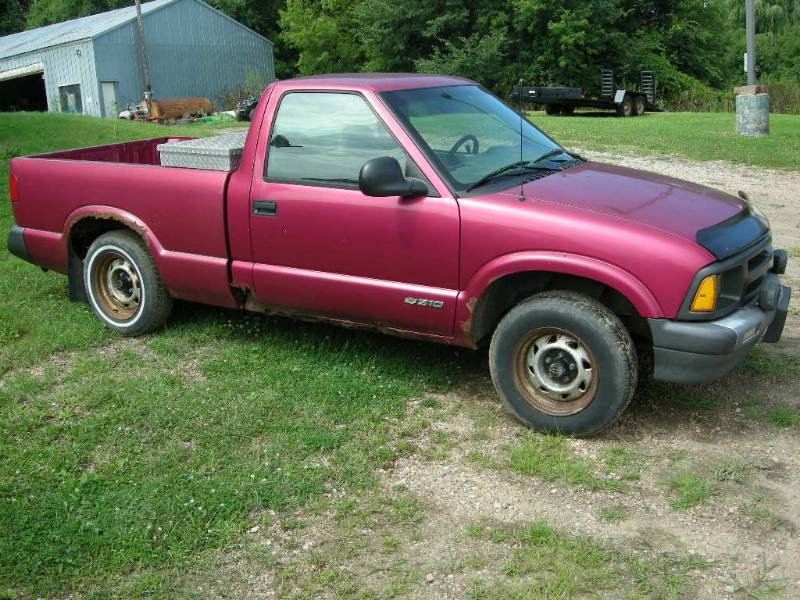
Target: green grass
x: 778, y: 415
x: 545, y: 563
x: 625, y: 461
x: 697, y: 136
x: 124, y: 461
x: 783, y: 416
x: 614, y: 514
x: 689, y: 490
x: 549, y: 457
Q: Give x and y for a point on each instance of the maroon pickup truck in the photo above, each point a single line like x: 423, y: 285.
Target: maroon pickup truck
x: 421, y: 206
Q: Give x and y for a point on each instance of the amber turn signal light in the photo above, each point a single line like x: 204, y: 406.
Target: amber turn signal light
x: 705, y: 299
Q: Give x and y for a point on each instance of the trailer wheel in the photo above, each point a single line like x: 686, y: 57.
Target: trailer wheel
x: 563, y: 362
x: 625, y: 108
x: 567, y: 110
x: 639, y: 105
x: 552, y: 109
x: 123, y: 285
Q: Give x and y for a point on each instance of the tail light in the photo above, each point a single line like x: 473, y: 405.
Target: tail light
x: 12, y: 188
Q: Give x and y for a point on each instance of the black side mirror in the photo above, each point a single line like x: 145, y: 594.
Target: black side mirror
x: 383, y: 176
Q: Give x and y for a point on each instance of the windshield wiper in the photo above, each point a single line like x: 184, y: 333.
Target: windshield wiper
x: 548, y: 154
x: 497, y: 173
x: 554, y: 152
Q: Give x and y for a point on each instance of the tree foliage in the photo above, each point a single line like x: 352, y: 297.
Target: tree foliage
x: 695, y: 46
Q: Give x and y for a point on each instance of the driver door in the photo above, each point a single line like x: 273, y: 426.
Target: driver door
x: 321, y: 247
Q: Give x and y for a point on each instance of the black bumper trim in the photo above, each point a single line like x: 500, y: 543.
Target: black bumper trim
x: 677, y: 366
x: 16, y: 243
x: 700, y: 352
x: 775, y: 329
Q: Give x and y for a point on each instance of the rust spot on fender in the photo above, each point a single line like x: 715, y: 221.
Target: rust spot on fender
x: 466, y: 325
x: 135, y: 225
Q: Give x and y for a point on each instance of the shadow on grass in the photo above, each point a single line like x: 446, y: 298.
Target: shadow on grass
x: 438, y: 363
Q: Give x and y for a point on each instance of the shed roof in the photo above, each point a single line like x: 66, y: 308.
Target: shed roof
x: 73, y: 30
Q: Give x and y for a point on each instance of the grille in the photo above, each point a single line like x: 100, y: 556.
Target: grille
x: 741, y: 283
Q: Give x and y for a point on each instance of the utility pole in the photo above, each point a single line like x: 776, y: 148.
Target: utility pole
x: 143, y: 53
x: 750, y: 26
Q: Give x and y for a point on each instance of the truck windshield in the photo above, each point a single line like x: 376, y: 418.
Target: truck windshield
x: 467, y: 132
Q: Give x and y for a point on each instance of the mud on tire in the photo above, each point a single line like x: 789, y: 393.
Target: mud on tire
x: 563, y: 362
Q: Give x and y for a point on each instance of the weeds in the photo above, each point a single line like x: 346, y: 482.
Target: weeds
x: 550, y: 458
x: 689, y: 490
x: 548, y: 564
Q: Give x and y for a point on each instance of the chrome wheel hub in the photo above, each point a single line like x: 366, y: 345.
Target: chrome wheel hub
x: 122, y: 282
x: 559, y: 367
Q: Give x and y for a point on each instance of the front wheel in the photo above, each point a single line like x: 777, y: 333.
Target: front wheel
x: 123, y: 285
x: 563, y: 362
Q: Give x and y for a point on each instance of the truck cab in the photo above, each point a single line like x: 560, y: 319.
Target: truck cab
x: 422, y: 206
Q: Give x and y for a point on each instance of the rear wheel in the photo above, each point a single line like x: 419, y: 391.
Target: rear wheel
x: 561, y: 361
x: 552, y: 109
x: 567, y: 110
x: 123, y: 285
x: 625, y: 108
x: 639, y: 105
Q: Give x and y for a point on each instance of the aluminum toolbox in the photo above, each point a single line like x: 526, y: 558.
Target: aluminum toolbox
x: 218, y: 153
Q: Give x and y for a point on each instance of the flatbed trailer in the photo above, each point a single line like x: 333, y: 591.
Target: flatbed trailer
x: 564, y: 100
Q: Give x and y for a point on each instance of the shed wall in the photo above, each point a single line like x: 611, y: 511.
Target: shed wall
x: 66, y: 64
x: 192, y: 50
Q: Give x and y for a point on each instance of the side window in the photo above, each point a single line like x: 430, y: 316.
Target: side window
x: 326, y: 138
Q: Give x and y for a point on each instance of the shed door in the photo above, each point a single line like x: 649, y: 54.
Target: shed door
x: 109, y: 91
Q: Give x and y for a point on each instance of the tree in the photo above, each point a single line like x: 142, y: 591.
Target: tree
x: 323, y: 34
x: 479, y: 57
x: 12, y: 17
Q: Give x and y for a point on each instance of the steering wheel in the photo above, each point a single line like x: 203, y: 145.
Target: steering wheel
x: 463, y: 140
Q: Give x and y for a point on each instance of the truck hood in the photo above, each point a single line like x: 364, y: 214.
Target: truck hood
x: 671, y: 205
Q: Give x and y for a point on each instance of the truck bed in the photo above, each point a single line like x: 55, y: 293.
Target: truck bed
x: 180, y: 212
x: 139, y: 152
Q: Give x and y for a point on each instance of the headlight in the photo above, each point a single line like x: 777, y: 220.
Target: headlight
x: 705, y: 298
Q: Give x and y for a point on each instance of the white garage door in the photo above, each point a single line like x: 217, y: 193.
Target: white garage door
x: 21, y: 71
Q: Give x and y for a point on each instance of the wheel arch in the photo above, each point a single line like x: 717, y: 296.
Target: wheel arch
x: 84, y: 226
x: 505, y: 282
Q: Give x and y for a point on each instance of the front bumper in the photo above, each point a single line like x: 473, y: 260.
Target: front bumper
x: 702, y: 351
x: 16, y: 243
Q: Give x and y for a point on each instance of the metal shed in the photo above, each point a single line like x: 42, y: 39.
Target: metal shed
x: 91, y: 65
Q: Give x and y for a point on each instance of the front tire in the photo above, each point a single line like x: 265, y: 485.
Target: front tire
x: 563, y: 362
x: 123, y: 285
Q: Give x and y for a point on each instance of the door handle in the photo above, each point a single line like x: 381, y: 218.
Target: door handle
x: 265, y: 208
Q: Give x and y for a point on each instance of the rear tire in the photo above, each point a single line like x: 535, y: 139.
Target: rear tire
x: 625, y: 108
x: 563, y: 362
x: 567, y: 110
x: 552, y: 109
x: 123, y: 285
x: 639, y: 105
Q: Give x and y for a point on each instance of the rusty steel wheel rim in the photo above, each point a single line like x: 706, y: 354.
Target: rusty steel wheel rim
x: 116, y: 284
x: 555, y: 371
